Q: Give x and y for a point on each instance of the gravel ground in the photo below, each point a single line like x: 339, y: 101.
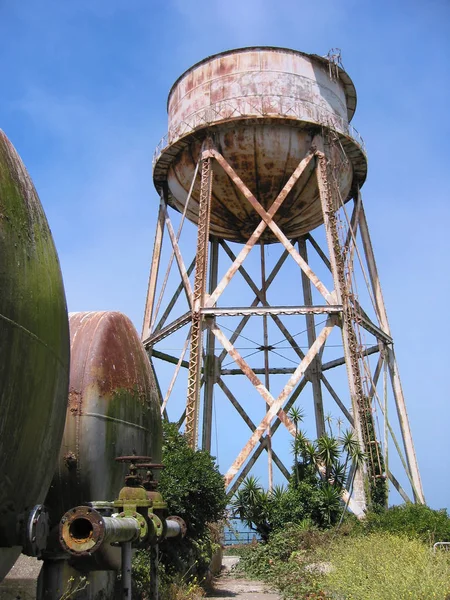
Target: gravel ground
x: 228, y: 586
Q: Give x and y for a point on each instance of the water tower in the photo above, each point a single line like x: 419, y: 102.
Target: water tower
x: 261, y: 157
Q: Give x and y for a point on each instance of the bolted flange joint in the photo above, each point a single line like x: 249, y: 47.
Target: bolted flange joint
x: 82, y: 530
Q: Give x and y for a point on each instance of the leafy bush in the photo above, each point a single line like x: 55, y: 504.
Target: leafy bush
x: 170, y: 587
x: 319, y: 475
x: 191, y: 483
x: 305, y: 562
x: 194, y: 490
x: 283, y: 561
x: 382, y: 566
x: 413, y: 520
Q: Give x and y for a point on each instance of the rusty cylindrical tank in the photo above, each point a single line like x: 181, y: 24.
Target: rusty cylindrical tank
x: 262, y: 107
x: 113, y: 411
x: 34, y: 352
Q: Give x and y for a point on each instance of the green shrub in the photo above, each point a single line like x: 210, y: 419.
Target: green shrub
x: 413, y: 520
x: 319, y: 475
x: 283, y: 561
x: 194, y: 490
x: 382, y: 566
x: 191, y: 483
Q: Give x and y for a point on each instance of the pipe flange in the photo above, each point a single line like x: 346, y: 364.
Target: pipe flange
x: 37, y: 531
x: 81, y: 531
x: 181, y: 522
x: 143, y: 525
x: 158, y: 528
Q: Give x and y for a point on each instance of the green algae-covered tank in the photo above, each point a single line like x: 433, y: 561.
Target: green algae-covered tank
x: 34, y: 352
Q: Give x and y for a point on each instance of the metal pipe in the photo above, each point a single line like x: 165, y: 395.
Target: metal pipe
x: 83, y: 530
x: 121, y: 530
x: 174, y: 528
x: 126, y: 570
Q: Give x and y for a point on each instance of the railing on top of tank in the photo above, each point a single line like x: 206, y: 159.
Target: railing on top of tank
x: 253, y: 106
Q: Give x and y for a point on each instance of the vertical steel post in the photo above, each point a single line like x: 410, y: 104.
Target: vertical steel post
x: 210, y: 359
x: 329, y: 208
x: 386, y: 431
x: 154, y: 269
x: 126, y: 570
x: 196, y: 353
x: 315, y: 369
x: 266, y: 365
x: 392, y: 363
x: 154, y: 585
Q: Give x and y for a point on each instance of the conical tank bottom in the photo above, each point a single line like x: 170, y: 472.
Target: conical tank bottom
x: 264, y: 155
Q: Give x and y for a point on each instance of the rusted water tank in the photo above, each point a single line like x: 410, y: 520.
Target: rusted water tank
x: 34, y: 352
x: 113, y: 411
x: 262, y: 107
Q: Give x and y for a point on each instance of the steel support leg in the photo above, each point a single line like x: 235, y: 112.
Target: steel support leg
x: 266, y: 365
x: 126, y: 570
x: 315, y: 369
x: 329, y: 207
x: 196, y: 354
x: 154, y: 269
x: 392, y: 363
x: 210, y: 360
x: 154, y: 585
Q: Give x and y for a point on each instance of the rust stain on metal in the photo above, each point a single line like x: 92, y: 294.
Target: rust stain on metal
x: 113, y: 410
x: 115, y: 363
x: 70, y: 460
x: 81, y: 531
x: 263, y: 106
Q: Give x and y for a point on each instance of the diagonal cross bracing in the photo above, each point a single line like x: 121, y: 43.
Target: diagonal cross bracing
x: 276, y: 405
x: 267, y: 221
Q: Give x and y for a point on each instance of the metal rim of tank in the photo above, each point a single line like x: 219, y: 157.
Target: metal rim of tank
x: 167, y: 152
x: 349, y: 87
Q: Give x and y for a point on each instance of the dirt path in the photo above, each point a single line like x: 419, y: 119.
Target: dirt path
x: 228, y: 586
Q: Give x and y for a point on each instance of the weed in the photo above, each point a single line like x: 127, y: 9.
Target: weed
x: 383, y: 566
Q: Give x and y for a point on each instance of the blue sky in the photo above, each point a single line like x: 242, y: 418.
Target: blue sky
x: 84, y: 89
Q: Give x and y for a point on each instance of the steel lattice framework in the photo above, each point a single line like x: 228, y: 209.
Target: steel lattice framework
x: 340, y: 305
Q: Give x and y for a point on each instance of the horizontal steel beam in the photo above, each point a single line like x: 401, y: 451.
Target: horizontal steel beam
x: 372, y: 328
x: 168, y: 330
x: 259, y: 371
x: 169, y: 358
x: 341, y: 361
x: 271, y: 310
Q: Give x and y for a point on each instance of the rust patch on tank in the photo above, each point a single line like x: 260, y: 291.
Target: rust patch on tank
x: 115, y: 356
x: 226, y: 65
x: 70, y: 460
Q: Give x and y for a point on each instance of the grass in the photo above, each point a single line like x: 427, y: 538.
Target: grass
x: 357, y: 561
x: 383, y: 566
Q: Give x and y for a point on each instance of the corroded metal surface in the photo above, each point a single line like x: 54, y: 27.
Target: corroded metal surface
x: 113, y: 411
x: 262, y: 106
x: 34, y: 350
x: 201, y: 263
x: 83, y: 530
x: 258, y: 81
